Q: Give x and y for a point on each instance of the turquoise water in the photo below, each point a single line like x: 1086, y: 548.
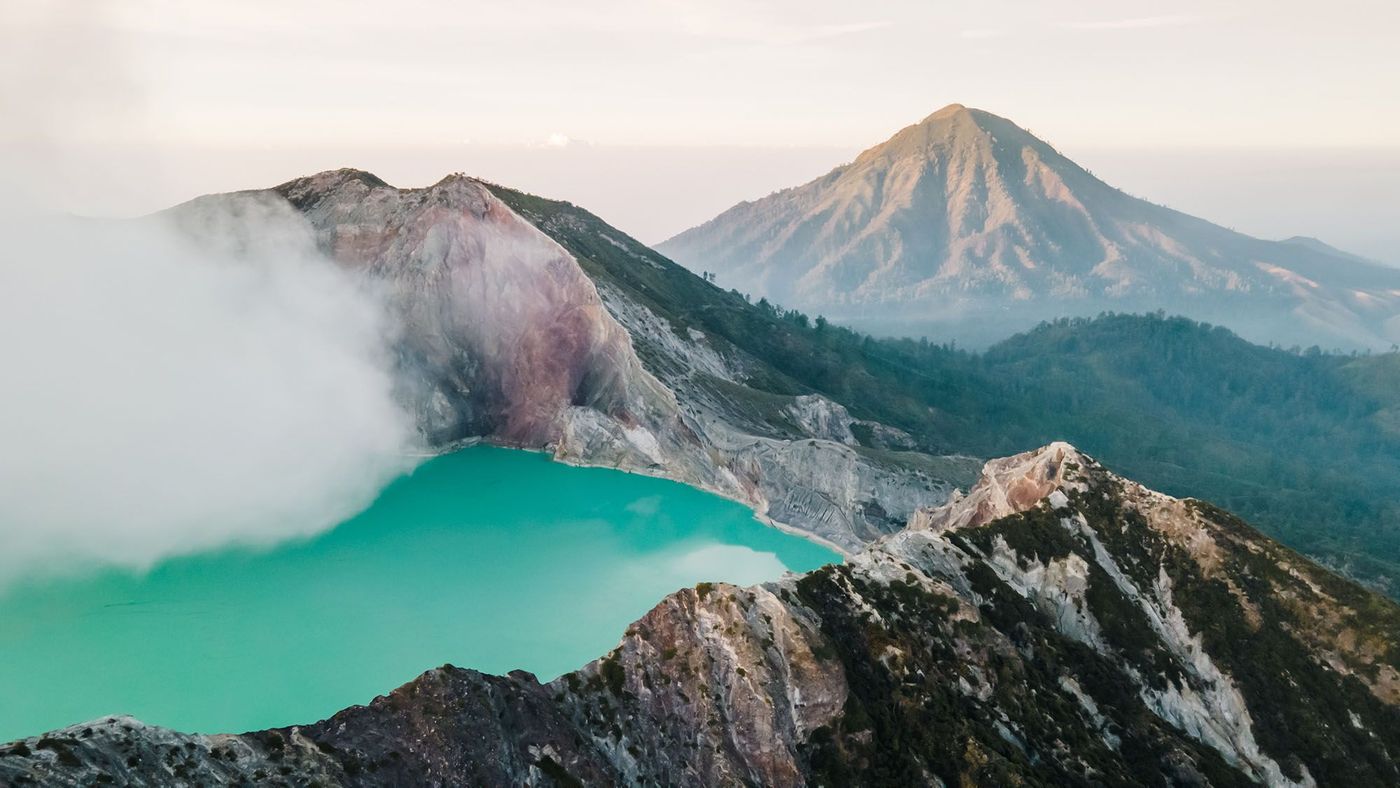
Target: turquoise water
x: 486, y: 558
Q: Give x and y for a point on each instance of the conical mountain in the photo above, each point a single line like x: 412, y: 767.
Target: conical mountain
x: 966, y: 214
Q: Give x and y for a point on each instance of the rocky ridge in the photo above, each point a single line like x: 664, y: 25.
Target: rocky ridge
x: 1056, y: 625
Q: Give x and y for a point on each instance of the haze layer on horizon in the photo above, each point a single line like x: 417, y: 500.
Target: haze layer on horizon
x: 1274, y: 118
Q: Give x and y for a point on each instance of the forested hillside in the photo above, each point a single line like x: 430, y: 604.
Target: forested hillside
x: 1305, y: 444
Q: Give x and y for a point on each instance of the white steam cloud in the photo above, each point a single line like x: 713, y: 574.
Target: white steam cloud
x: 160, y: 397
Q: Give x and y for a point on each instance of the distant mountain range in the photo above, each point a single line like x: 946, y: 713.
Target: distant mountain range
x: 966, y: 218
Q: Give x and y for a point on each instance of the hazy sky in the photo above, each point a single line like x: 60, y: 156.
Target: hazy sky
x: 167, y: 98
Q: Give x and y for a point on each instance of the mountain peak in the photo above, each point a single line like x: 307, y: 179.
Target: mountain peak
x: 454, y: 178
x: 332, y: 178
x: 947, y: 112
x: 309, y: 189
x: 953, y: 126
x: 1007, y: 486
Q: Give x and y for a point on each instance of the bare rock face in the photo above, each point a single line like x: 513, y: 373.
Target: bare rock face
x: 810, y: 472
x: 501, y: 332
x: 1008, y: 486
x: 819, y: 417
x: 1091, y: 632
x: 836, y: 491
x: 475, y: 283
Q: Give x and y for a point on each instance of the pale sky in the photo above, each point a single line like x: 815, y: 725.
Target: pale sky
x: 205, y: 95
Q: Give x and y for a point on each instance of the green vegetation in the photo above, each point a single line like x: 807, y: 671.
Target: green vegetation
x: 906, y: 718
x: 1035, y: 533
x: 61, y: 748
x: 1300, y: 444
x: 1312, y: 721
x: 1304, y: 444
x: 614, y: 675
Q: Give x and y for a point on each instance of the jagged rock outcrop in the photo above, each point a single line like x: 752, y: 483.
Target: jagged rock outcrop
x: 821, y: 418
x: 1057, y: 625
x: 965, y: 217
x: 1007, y: 486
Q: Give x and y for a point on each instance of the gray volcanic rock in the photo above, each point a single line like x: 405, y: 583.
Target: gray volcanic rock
x: 966, y: 216
x: 1057, y: 625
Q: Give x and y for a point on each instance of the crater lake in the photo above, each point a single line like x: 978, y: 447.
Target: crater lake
x: 485, y: 558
